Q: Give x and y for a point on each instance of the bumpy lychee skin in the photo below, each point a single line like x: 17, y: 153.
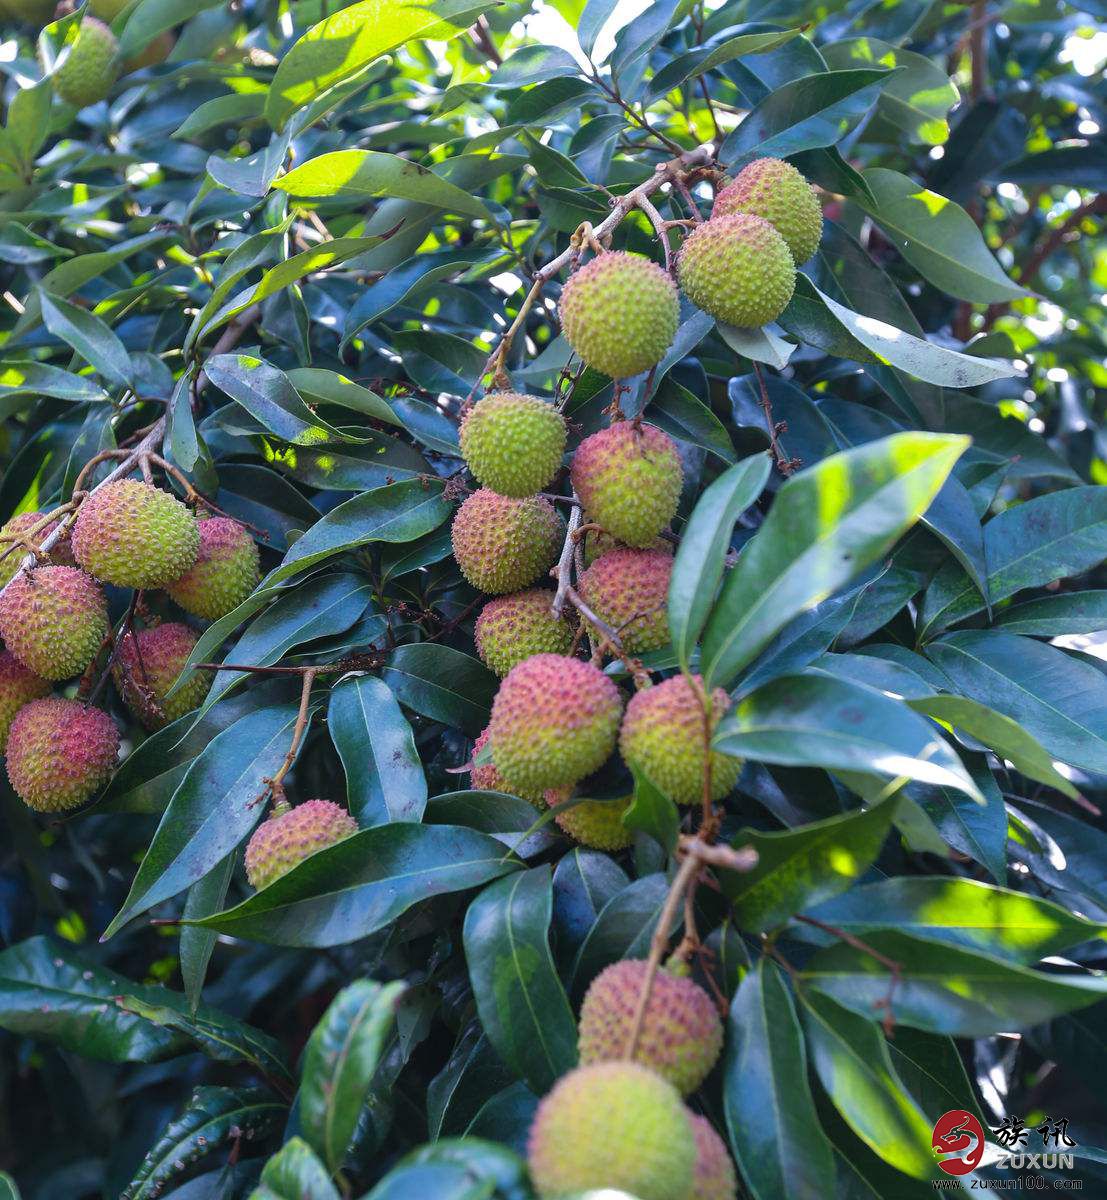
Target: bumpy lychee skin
x: 503, y: 544
x: 628, y: 480
x: 628, y: 589
x: 714, y: 1177
x: 663, y: 733
x: 18, y: 686
x: 598, y: 542
x: 292, y: 834
x: 61, y: 555
x: 485, y: 778
x: 554, y: 720
x: 514, y: 627
x: 681, y: 1036
x: 775, y: 190
x: 135, y: 535
x: 620, y: 313
x: 513, y: 443
x: 60, y: 752
x: 738, y: 269
x: 612, y: 1125
x: 146, y: 668
x: 54, y: 620
x: 92, y: 67
x: 225, y: 572
x: 597, y: 823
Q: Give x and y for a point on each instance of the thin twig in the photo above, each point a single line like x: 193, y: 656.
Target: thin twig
x: 564, y: 569
x: 275, y: 784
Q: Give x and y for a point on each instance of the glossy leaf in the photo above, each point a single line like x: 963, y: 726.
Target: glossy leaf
x: 295, y: 1173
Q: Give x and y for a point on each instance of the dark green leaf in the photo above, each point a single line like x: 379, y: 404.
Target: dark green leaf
x: 295, y: 1173
x: 443, y: 684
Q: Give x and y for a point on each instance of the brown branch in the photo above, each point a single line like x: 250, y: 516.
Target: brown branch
x: 784, y: 464
x: 275, y: 785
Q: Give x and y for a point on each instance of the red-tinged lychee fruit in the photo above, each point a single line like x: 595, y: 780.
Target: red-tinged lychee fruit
x: 738, y: 269
x: 620, y: 313
x: 12, y: 554
x: 598, y: 542
x: 514, y: 627
x: 714, y: 1178
x: 663, y: 733
x: 612, y: 1125
x: 153, y: 54
x: 513, y: 443
x: 60, y: 752
x: 775, y: 190
x: 292, y: 834
x: 135, y: 535
x: 628, y: 589
x: 147, y: 666
x: 628, y: 479
x: 503, y: 544
x: 18, y: 686
x: 681, y: 1035
x: 54, y: 620
x: 597, y: 823
x: 485, y: 778
x: 225, y: 571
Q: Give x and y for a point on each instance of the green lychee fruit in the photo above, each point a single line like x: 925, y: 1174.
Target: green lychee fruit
x: 135, y: 535
x: 18, y: 686
x: 663, y: 733
x: 775, y: 190
x: 597, y: 823
x: 681, y: 1036
x: 629, y: 589
x: 485, y: 778
x: 738, y: 269
x: 147, y: 666
x: 513, y: 627
x: 54, y: 620
x: 225, y: 572
x: 60, y: 752
x: 12, y: 554
x: 628, y: 478
x: 513, y: 443
x: 503, y: 544
x: 598, y: 542
x: 292, y: 834
x: 554, y: 721
x: 90, y: 69
x: 714, y: 1177
x: 612, y: 1125
x: 620, y: 313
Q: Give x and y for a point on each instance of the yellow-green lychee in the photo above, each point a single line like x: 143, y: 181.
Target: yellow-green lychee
x: 54, y: 620
x: 513, y: 627
x: 681, y: 1035
x: 91, y: 67
x: 12, y: 553
x: 135, y: 535
x: 18, y: 686
x: 292, y: 834
x: 598, y: 823
x: 620, y: 313
x: 738, y: 269
x: 663, y: 733
x: 147, y: 666
x: 485, y: 778
x: 598, y: 542
x: 628, y: 589
x: 715, y: 1178
x: 612, y: 1125
x: 775, y: 190
x: 60, y: 752
x: 554, y: 721
x: 513, y: 443
x: 628, y: 478
x: 503, y: 544
x: 225, y: 572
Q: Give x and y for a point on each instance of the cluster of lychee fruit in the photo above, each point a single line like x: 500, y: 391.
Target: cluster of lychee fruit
x: 54, y: 625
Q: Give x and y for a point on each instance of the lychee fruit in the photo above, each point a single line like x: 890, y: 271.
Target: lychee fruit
x: 715, y: 1178
x: 612, y: 1125
x: 135, y: 535
x: 503, y: 544
x: 147, y: 666
x: 18, y: 686
x: 681, y: 1036
x: 513, y: 627
x: 598, y: 542
x: 629, y: 589
x: 153, y: 54
x: 292, y: 834
x: 554, y: 721
x: 738, y: 269
x: 598, y: 823
x: 13, y: 554
x: 225, y: 572
x: 775, y: 190
x: 620, y: 313
x: 60, y: 752
x: 663, y: 733
x: 485, y: 778
x: 54, y: 620
x: 513, y: 443
x: 91, y: 67
x: 628, y: 479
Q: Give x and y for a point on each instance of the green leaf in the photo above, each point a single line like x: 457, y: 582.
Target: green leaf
x: 651, y: 811
x: 623, y: 929
x: 329, y: 387
x: 978, y: 830
x: 758, y: 345
x: 205, y: 896
x: 442, y: 683
x: 826, y: 525
x: 706, y: 58
x: 237, y: 108
x: 184, y: 445
x: 89, y: 336
x: 8, y: 1188
x: 1051, y: 616
x: 294, y: 1173
x: 152, y: 17
x: 533, y: 64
